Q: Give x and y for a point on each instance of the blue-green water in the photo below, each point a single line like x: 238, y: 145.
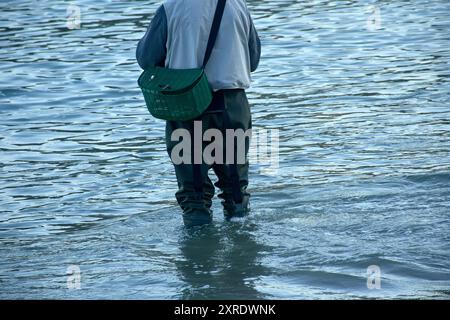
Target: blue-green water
x: 362, y: 105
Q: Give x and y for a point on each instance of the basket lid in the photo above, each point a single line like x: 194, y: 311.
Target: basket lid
x: 168, y: 80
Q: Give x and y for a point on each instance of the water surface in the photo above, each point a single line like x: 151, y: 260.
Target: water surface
x: 364, y: 179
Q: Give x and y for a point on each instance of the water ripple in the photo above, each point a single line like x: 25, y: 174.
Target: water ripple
x: 364, y: 158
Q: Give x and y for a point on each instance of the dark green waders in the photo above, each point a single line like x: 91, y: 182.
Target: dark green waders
x: 229, y: 110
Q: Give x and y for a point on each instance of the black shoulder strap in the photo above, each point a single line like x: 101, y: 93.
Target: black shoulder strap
x: 214, y: 30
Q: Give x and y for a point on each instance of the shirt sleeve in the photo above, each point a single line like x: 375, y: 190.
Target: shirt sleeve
x: 254, y: 45
x: 151, y: 49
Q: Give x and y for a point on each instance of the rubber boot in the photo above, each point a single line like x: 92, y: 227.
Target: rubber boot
x: 197, y: 218
x: 236, y: 210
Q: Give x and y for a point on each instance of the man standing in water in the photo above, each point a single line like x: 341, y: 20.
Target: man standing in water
x: 177, y: 38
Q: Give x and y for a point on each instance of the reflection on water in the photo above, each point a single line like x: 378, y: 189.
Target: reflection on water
x: 221, y: 263
x: 359, y: 92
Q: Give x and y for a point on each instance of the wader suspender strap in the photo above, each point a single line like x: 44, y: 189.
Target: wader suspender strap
x: 198, y: 181
x: 214, y: 30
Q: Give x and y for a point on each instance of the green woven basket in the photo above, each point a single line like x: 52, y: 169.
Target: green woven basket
x: 175, y: 94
